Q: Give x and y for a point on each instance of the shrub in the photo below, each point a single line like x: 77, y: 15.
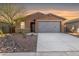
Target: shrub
x: 1, y: 33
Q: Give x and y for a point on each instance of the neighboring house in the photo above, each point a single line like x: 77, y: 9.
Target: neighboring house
x: 42, y: 23
x: 72, y: 25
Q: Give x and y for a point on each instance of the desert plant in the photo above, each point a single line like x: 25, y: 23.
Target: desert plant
x: 23, y: 32
x: 1, y: 33
x: 10, y: 13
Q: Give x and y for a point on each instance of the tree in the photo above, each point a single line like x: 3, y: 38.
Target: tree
x: 10, y: 12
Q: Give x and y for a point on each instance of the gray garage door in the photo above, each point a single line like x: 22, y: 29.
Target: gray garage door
x: 48, y: 27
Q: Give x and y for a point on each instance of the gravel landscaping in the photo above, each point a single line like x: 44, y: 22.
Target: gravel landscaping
x: 18, y: 43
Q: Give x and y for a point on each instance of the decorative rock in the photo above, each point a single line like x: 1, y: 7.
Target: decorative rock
x: 11, y: 44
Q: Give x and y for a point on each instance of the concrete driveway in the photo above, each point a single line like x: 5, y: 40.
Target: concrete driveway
x: 57, y: 42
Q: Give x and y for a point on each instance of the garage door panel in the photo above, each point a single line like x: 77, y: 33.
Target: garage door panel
x: 48, y: 27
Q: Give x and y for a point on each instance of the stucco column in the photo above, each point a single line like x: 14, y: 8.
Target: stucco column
x: 62, y: 27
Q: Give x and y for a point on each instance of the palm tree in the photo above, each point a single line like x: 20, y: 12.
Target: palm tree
x: 10, y: 12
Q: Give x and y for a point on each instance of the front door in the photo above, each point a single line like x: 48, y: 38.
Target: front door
x: 32, y: 26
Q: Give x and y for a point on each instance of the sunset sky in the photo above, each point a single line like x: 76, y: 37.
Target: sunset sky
x: 69, y: 11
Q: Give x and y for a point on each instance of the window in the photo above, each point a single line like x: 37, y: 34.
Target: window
x: 72, y: 28
x: 77, y: 29
x: 22, y: 25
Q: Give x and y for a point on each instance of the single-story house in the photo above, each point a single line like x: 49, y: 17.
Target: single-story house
x: 72, y: 25
x: 42, y: 23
